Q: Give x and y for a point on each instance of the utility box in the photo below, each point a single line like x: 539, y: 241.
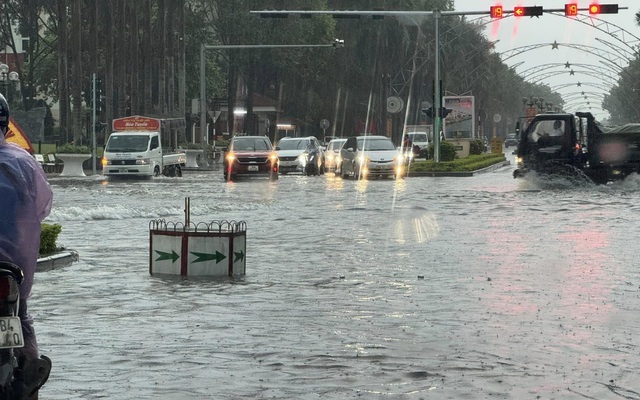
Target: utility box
x: 211, y: 249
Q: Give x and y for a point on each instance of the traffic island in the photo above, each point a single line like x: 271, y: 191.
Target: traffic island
x: 217, y: 248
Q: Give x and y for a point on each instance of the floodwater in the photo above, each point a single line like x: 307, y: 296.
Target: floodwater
x: 425, y: 288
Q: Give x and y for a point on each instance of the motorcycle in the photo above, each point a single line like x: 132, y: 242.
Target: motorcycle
x: 19, y: 380
x: 313, y: 165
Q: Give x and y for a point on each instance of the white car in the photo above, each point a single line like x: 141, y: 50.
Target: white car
x: 332, y: 155
x: 370, y: 156
x: 300, y: 154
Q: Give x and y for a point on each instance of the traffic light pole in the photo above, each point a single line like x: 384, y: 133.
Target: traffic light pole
x: 93, y: 129
x: 495, y: 12
x: 437, y: 120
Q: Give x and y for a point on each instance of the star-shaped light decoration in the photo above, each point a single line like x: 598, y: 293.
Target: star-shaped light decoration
x: 583, y: 93
x: 572, y: 72
x: 567, y: 65
x: 554, y: 45
x: 579, y: 84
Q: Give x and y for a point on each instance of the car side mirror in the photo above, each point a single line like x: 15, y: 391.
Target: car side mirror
x: 277, y: 147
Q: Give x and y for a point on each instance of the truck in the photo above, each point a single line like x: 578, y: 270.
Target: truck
x: 135, y: 148
x: 566, y: 144
x: 421, y: 136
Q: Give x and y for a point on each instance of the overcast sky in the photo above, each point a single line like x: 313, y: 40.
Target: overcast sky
x: 513, y: 33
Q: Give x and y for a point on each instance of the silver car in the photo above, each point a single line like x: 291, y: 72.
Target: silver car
x: 332, y: 155
x: 370, y: 156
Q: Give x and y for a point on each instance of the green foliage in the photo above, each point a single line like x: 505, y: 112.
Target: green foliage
x: 48, y: 238
x: 73, y: 149
x: 222, y: 143
x: 476, y: 147
x: 467, y: 164
x: 447, y: 151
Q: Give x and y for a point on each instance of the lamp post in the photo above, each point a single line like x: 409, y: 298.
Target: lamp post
x: 7, y: 77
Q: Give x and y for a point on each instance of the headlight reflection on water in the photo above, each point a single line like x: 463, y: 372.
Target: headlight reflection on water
x: 414, y: 229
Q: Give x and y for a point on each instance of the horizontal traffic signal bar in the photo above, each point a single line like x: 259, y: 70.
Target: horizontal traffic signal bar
x: 570, y: 9
x: 494, y: 12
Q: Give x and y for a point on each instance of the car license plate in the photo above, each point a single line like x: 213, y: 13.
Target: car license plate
x: 10, y: 333
x: 253, y: 168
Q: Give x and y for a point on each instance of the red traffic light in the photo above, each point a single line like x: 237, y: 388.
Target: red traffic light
x: 603, y: 9
x: 571, y: 10
x: 534, y: 11
x: 496, y: 12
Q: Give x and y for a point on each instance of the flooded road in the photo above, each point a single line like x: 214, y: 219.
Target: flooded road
x: 426, y: 288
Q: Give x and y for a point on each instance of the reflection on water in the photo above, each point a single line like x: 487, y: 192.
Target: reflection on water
x: 471, y: 287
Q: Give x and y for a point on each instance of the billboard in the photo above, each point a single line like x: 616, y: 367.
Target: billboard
x: 460, y: 122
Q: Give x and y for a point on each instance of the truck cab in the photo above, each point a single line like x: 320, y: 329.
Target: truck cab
x: 131, y: 152
x: 554, y: 139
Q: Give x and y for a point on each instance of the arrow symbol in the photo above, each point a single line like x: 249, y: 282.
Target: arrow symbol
x: 201, y: 257
x: 239, y: 255
x: 173, y: 256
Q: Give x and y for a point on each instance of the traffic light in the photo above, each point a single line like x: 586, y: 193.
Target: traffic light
x: 571, y: 10
x: 603, y: 9
x: 532, y: 11
x: 496, y: 12
x: 428, y: 112
x: 444, y: 112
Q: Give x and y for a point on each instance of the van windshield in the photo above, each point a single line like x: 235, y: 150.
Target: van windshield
x: 127, y: 144
x: 418, y: 137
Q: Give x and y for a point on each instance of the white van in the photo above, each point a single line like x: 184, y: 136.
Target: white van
x: 422, y: 140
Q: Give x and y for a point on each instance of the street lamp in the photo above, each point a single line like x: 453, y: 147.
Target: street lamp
x: 6, y: 77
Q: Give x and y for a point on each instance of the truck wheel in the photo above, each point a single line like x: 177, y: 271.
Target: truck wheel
x: 178, y: 171
x: 156, y: 171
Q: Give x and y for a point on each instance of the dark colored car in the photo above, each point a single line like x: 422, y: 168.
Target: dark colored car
x: 250, y: 156
x: 511, y: 140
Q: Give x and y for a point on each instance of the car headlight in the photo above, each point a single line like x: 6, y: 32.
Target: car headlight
x: 363, y: 159
x: 273, y: 157
x: 231, y: 157
x: 143, y: 161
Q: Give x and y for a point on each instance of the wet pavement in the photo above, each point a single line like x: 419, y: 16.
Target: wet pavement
x: 441, y: 288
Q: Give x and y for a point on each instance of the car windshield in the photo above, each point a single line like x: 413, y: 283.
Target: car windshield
x: 293, y: 144
x: 127, y: 143
x: 418, y: 137
x: 336, y: 145
x: 250, y: 144
x: 375, y: 144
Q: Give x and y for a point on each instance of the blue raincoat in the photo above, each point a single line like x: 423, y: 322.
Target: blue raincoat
x: 25, y: 200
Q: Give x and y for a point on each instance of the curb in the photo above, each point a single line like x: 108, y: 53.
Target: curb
x: 460, y: 174
x: 57, y: 260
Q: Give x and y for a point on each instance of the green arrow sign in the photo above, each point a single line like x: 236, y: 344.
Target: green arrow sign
x: 173, y: 256
x: 239, y: 256
x: 202, y: 257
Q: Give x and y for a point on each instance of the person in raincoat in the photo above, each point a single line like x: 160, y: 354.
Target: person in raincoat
x: 25, y: 200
